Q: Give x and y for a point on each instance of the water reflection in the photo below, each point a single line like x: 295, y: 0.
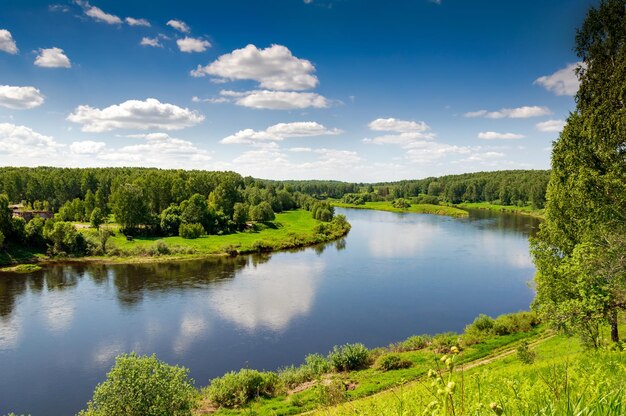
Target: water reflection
x: 269, y: 296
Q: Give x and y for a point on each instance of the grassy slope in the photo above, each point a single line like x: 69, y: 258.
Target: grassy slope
x: 371, y: 381
x: 415, y: 208
x: 563, y: 380
x: 527, y: 210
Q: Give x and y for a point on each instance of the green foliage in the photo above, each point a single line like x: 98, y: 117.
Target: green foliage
x: 237, y: 388
x: 331, y: 393
x: 130, y: 206
x: 323, y: 211
x: 97, y: 218
x: 143, y: 386
x: 413, y: 343
x: 191, y: 231
x: 401, y: 203
x: 317, y: 364
x: 525, y: 354
x: 34, y: 232
x: 349, y: 357
x: 388, y: 362
x: 1, y: 239
x: 240, y: 214
x: 64, y: 238
x: 579, y: 278
x: 262, y: 212
x: 171, y: 218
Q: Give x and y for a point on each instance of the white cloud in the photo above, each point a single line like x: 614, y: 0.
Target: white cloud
x: 190, y: 45
x: 400, y: 126
x: 562, y: 82
x: 137, y: 22
x: 21, y: 141
x: 20, y: 98
x: 426, y: 151
x: 279, y: 132
x: 551, y: 126
x: 135, y: 114
x: 407, y: 132
x: 519, y: 112
x: 52, y: 58
x: 179, y: 25
x: 274, y: 100
x: 87, y: 147
x: 98, y: 14
x: 159, y: 150
x: 273, y: 68
x: 154, y: 42
x: 7, y: 44
x: 492, y: 135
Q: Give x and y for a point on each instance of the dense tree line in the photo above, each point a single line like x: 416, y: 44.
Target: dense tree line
x: 143, y: 201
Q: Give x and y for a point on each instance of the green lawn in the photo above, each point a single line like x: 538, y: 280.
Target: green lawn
x: 290, y: 229
x: 414, y: 208
x: 525, y: 210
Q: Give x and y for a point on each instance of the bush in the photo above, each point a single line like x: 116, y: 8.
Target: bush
x: 293, y: 376
x: 515, y: 322
x: 349, y: 357
x: 525, y: 354
x: 143, y: 386
x: 191, y: 231
x: 401, y: 203
x: 392, y: 362
x: 332, y: 393
x: 317, y: 364
x: 160, y: 248
x: 414, y: 343
x: 237, y: 388
x: 441, y: 343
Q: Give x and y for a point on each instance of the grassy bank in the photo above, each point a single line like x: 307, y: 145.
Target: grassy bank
x: 290, y: 229
x: 414, y: 208
x: 526, y: 210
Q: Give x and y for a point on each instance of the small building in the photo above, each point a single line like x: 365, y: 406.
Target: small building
x: 30, y: 214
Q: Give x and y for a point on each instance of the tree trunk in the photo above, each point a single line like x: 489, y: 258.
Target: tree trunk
x: 614, y: 330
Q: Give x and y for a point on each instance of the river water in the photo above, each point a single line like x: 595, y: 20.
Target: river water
x: 393, y: 276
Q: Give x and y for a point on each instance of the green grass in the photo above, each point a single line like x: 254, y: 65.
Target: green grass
x: 414, y: 208
x: 19, y: 254
x: 563, y: 380
x: 525, y: 210
x: 22, y: 268
x: 289, y: 230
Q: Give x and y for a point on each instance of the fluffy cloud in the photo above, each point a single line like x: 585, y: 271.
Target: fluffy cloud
x: 427, y: 151
x: 19, y: 141
x: 519, y: 112
x: 98, y: 14
x: 406, y: 132
x: 7, y: 44
x: 273, y: 68
x: 154, y: 42
x: 562, y: 82
x: 189, y: 45
x: 52, y: 58
x: 135, y: 114
x: 137, y: 22
x: 399, y: 126
x: 492, y: 135
x: 179, y: 25
x: 273, y: 100
x: 20, y: 98
x: 551, y: 126
x: 87, y: 147
x: 279, y: 132
x: 159, y: 150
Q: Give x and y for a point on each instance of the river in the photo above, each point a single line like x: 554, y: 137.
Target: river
x: 393, y: 276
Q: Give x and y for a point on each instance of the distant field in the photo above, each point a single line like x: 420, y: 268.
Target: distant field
x: 415, y: 208
x: 526, y: 210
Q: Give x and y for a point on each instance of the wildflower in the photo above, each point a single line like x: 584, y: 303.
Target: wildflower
x: 454, y: 350
x: 497, y: 409
x: 450, y: 387
x: 444, y: 358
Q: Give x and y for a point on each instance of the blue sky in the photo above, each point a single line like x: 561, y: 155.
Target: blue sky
x: 353, y: 90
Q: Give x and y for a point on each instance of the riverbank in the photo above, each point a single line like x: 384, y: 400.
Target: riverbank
x: 414, y: 208
x: 290, y: 230
x: 512, y: 209
x: 514, y: 373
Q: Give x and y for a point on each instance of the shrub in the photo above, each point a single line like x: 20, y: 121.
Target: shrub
x: 237, y: 388
x: 317, y: 364
x: 332, y: 393
x: 293, y: 376
x: 525, y: 354
x: 143, y: 386
x: 515, y: 322
x: 190, y: 231
x: 160, y: 248
x: 401, y: 203
x: 349, y: 357
x: 392, y: 362
x: 442, y: 343
x: 262, y: 246
x: 414, y: 343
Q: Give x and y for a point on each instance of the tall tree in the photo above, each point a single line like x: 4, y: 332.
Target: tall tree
x: 580, y: 284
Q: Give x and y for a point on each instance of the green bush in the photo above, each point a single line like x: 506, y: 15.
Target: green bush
x: 331, y: 394
x: 237, y: 388
x: 525, y: 354
x: 441, y: 343
x: 143, y: 386
x: 317, y: 364
x: 349, y: 357
x: 401, y: 203
x: 161, y: 248
x: 414, y: 343
x: 515, y: 322
x: 293, y: 376
x: 392, y: 361
x: 190, y: 231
